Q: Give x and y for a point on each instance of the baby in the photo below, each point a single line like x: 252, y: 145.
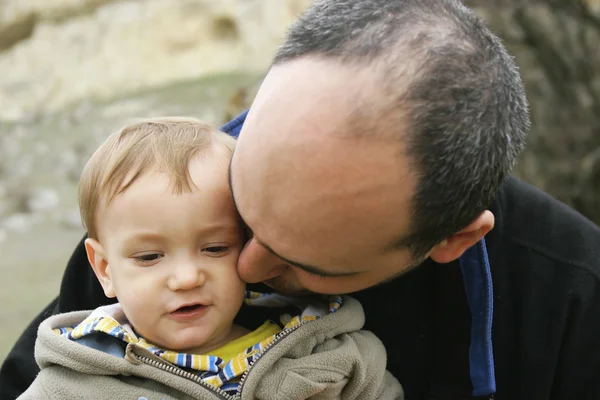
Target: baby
x: 164, y: 239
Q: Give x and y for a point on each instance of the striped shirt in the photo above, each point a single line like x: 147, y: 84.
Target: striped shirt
x: 213, y: 370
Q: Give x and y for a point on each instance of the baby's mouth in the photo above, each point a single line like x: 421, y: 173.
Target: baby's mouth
x: 190, y: 308
x: 189, y: 311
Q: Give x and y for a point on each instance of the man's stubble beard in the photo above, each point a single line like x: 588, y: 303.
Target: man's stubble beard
x: 283, y: 286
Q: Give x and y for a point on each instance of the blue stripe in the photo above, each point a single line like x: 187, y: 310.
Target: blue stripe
x: 477, y: 279
x: 228, y: 371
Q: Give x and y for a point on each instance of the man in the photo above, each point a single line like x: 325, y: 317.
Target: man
x: 379, y: 144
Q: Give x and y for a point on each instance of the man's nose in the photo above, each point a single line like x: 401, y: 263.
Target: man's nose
x: 186, y: 275
x: 257, y: 264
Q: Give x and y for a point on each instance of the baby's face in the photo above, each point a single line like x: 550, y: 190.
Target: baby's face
x: 172, y: 258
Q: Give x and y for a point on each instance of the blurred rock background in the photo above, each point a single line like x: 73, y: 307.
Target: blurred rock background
x: 72, y: 71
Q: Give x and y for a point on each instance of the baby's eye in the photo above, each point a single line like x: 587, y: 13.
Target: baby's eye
x: 149, y: 258
x: 216, y: 250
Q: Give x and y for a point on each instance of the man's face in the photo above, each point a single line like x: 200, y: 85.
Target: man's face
x: 326, y: 205
x: 171, y: 258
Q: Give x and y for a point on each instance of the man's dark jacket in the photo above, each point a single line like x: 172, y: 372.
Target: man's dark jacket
x: 518, y: 315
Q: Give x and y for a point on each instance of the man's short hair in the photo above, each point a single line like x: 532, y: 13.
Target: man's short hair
x: 463, y: 98
x: 165, y: 144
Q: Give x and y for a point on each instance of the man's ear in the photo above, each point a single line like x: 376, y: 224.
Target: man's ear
x: 454, y: 246
x: 97, y: 258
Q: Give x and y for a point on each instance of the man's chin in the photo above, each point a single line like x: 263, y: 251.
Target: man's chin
x: 282, y: 287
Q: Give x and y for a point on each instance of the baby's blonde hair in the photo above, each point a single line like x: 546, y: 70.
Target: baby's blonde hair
x: 163, y: 144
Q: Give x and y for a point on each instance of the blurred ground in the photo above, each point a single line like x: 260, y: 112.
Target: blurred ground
x: 31, y: 270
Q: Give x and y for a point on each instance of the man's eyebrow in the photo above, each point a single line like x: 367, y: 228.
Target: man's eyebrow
x: 305, y: 267
x: 308, y: 268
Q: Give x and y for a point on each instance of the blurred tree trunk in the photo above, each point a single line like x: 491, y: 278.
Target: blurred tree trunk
x: 557, y: 46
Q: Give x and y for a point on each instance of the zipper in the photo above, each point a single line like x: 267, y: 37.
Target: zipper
x: 184, y: 374
x: 278, y: 339
x: 195, y: 378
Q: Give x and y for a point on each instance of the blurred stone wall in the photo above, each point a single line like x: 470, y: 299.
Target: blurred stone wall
x: 557, y: 46
x: 67, y: 65
x: 55, y: 52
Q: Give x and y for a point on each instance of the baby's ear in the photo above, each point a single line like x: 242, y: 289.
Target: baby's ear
x: 97, y: 258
